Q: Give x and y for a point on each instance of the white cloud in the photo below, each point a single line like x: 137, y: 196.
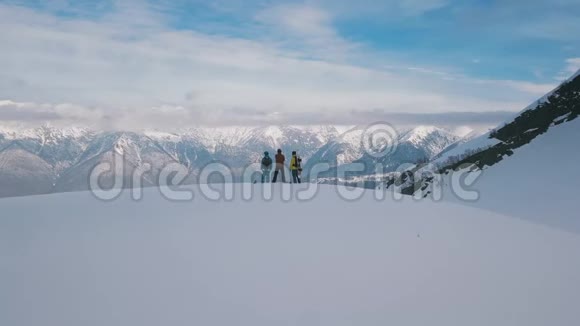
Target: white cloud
x: 22, y: 115
x: 417, y: 7
x: 572, y: 66
x: 299, y: 19
x: 145, y: 74
x: 306, y: 27
x: 527, y: 87
x: 559, y: 27
x: 30, y: 113
x: 385, y: 9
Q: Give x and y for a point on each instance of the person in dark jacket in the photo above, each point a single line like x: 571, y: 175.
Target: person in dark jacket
x: 295, y: 167
x: 266, y: 167
x: 280, y: 159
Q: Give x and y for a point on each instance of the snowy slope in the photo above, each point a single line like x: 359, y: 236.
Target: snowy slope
x: 531, y: 169
x: 69, y: 260
x: 475, y: 144
x: 23, y: 173
x: 539, y: 182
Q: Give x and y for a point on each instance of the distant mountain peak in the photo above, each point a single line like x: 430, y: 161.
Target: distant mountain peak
x: 421, y: 134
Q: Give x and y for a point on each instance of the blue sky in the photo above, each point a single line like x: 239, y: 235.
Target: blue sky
x: 203, y: 61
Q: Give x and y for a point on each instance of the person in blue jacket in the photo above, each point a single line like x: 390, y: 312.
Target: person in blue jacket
x: 266, y: 167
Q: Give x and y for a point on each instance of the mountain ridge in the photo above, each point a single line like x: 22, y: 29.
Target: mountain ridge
x: 64, y: 157
x: 559, y: 106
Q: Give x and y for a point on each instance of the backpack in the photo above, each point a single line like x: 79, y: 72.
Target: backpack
x: 297, y: 163
x: 267, y: 161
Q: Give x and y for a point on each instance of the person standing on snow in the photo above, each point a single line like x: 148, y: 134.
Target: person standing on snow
x: 295, y: 167
x: 266, y: 167
x: 280, y: 159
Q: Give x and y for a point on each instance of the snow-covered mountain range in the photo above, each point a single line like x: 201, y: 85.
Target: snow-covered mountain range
x: 49, y: 159
x: 419, y: 144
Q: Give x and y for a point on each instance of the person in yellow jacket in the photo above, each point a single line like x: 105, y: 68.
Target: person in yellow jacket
x: 295, y: 167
